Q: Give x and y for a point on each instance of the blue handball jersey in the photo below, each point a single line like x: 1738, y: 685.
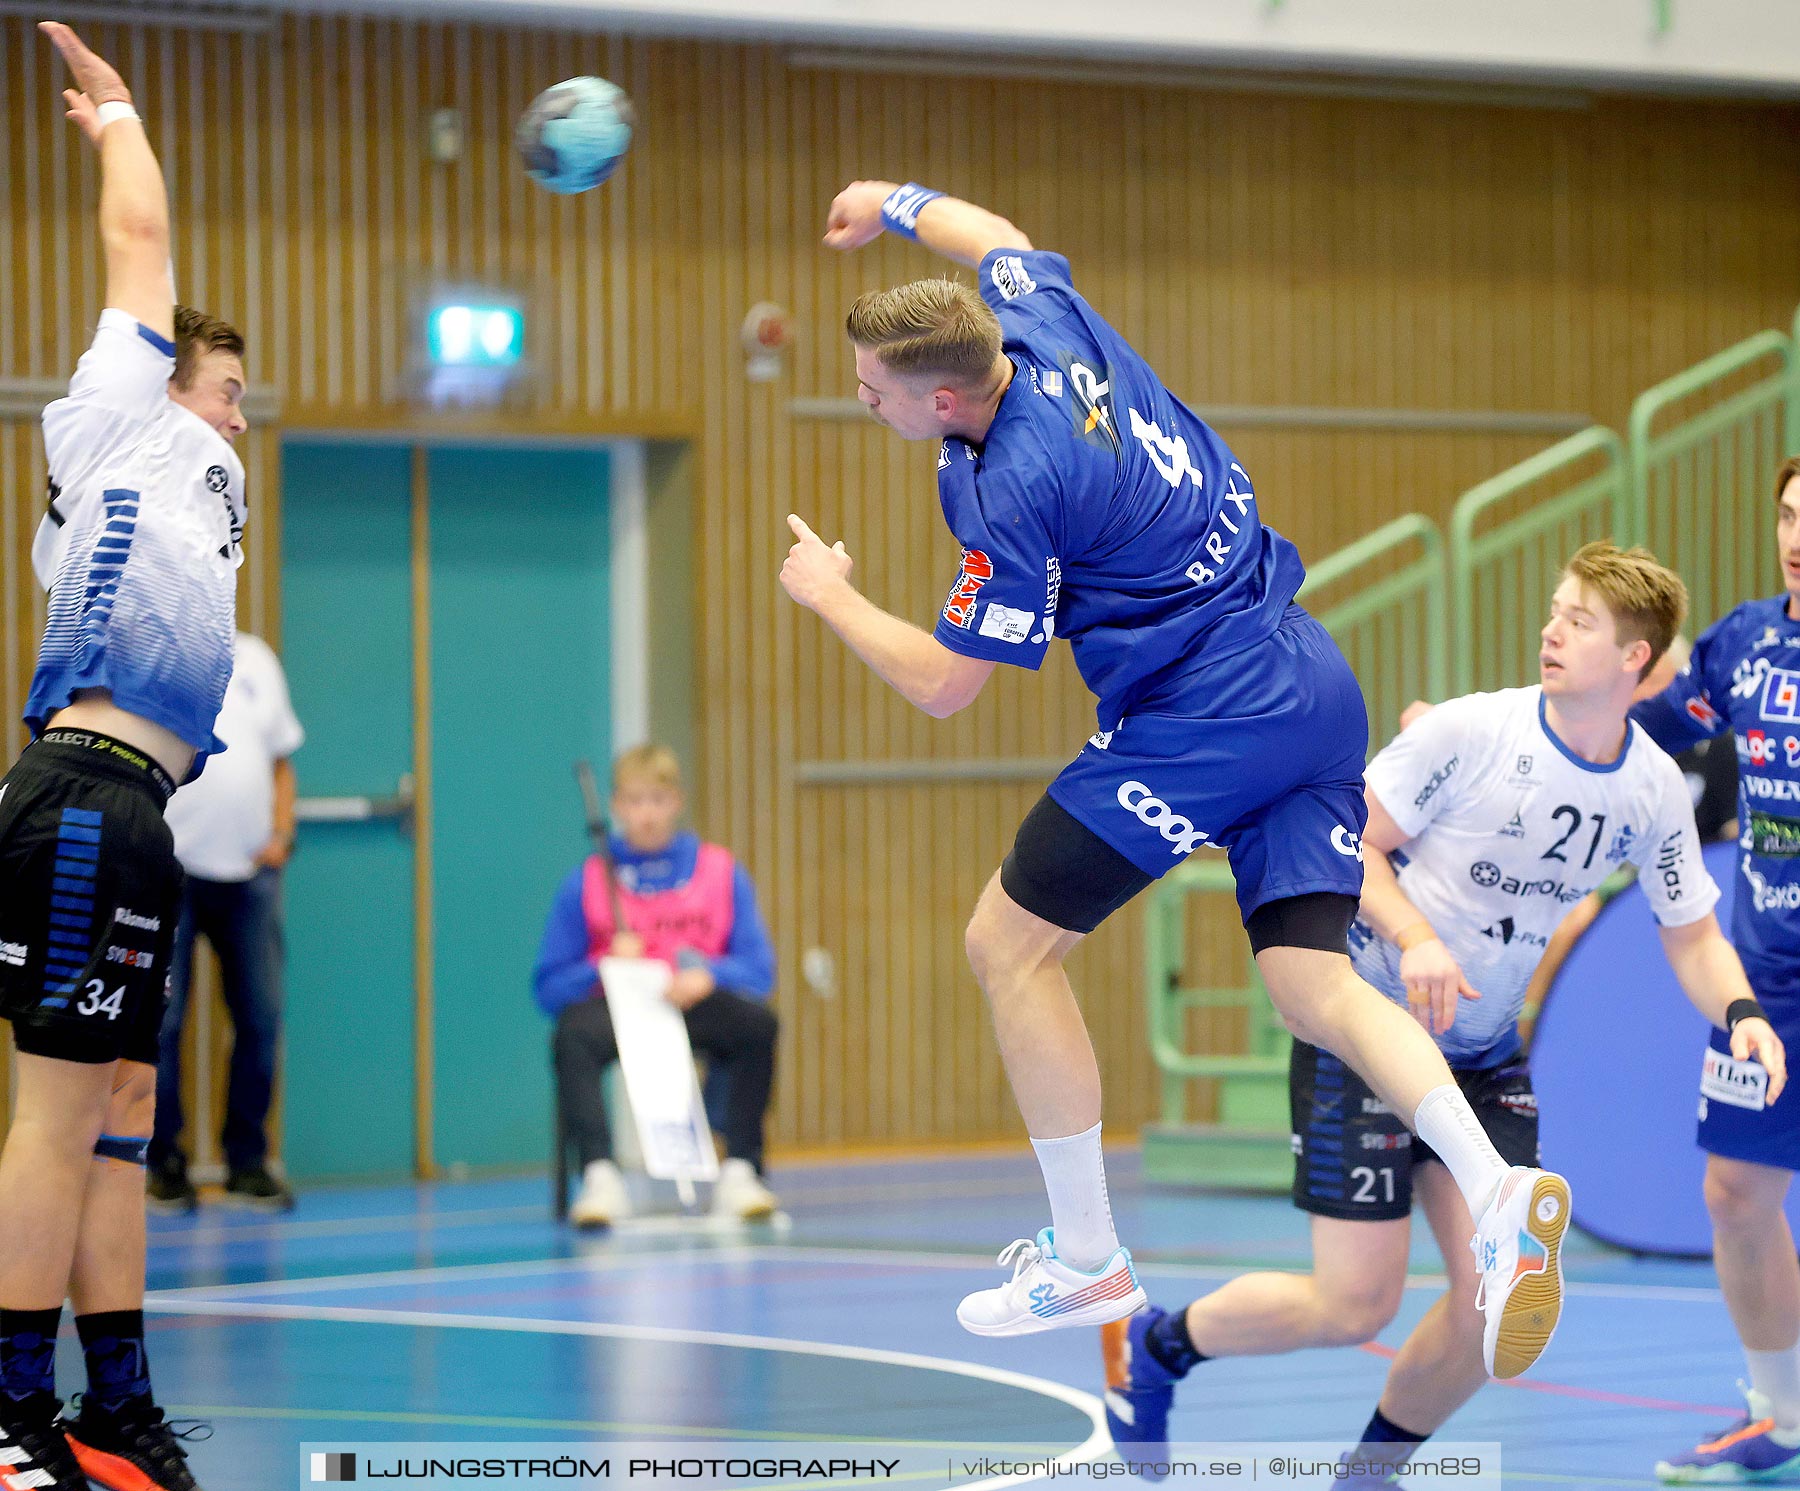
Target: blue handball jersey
x: 1101, y: 509
x: 1744, y: 677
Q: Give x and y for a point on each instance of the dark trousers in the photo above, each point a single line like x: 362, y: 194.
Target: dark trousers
x: 242, y: 921
x: 736, y: 1035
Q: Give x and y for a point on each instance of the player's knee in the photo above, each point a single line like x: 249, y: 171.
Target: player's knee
x: 1738, y: 1198
x: 984, y: 944
x: 132, y: 1109
x: 1359, y: 1313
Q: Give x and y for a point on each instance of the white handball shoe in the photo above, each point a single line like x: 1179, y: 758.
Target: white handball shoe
x: 741, y: 1194
x: 1518, y: 1248
x: 1045, y: 1294
x: 603, y: 1198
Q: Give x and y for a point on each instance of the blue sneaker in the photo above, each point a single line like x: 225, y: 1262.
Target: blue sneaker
x: 1140, y: 1390
x: 1747, y: 1453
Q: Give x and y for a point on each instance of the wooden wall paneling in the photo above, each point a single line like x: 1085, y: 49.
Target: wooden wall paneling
x: 1259, y: 248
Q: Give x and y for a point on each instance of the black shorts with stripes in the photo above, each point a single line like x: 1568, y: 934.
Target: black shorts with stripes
x: 89, y: 894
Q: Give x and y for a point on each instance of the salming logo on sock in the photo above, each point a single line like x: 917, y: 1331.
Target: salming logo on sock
x: 71, y: 905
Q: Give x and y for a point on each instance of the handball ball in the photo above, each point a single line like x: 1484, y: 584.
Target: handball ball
x: 573, y: 135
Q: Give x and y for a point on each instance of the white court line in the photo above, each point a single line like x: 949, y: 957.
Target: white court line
x: 777, y: 1252
x: 1093, y: 1447
x: 272, y: 1231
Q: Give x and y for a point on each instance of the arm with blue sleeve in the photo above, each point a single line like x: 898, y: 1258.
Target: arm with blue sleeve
x: 564, y: 974
x: 1691, y: 709
x: 747, y: 966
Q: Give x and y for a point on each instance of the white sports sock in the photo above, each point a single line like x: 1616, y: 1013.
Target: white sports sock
x: 1075, y: 1177
x: 1776, y: 1375
x: 1448, y: 1124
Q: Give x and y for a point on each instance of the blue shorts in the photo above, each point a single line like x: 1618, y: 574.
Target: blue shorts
x: 1265, y: 761
x: 1735, y: 1120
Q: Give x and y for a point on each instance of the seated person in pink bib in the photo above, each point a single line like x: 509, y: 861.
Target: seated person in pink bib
x: 691, y: 905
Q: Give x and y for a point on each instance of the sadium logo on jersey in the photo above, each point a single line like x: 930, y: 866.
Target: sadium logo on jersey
x: 977, y: 569
x: 1438, y: 778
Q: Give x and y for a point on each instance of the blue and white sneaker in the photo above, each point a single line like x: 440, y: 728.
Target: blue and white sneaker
x: 1140, y: 1390
x: 1745, y: 1454
x: 1045, y: 1294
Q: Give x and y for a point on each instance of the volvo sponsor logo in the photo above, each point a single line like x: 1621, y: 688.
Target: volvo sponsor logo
x: 1153, y: 812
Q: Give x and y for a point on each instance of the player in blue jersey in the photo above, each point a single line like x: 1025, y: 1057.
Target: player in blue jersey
x: 139, y: 553
x: 1092, y: 505
x: 1744, y: 677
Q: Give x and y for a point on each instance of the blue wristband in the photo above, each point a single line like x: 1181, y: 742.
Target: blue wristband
x: 900, y: 212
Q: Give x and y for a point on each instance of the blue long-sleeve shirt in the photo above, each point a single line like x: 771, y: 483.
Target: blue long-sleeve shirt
x: 564, y: 973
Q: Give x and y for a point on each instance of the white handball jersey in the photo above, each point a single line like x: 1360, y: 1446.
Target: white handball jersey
x: 140, y: 547
x: 1507, y: 829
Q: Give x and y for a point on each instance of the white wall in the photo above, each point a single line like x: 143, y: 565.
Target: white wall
x: 1738, y: 46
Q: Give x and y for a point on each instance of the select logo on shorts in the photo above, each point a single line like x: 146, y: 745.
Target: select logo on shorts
x: 327, y: 1467
x: 1738, y: 1084
x: 977, y: 569
x: 1153, y: 812
x: 14, y: 954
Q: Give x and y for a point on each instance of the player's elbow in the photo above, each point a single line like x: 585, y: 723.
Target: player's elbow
x: 1007, y: 235
x: 944, y: 700
x: 135, y: 223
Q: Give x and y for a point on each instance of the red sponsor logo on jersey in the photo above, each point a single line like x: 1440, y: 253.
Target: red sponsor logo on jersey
x: 1703, y: 713
x: 977, y: 570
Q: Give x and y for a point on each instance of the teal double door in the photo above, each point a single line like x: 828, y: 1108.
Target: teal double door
x: 446, y: 633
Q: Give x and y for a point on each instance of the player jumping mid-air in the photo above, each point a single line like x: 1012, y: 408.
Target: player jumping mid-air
x: 1091, y: 504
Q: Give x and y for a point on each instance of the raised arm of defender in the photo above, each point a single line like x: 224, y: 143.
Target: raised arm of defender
x: 134, y: 203
x: 946, y: 225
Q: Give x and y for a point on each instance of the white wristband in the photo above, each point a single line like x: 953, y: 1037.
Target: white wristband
x: 111, y: 113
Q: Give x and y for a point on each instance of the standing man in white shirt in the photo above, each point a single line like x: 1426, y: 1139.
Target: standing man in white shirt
x: 234, y: 832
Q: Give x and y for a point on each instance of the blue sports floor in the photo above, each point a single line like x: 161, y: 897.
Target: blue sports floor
x: 460, y: 1312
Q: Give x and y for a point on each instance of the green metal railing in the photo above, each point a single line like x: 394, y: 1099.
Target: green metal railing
x: 1700, y: 484
x: 1509, y: 539
x: 1395, y: 629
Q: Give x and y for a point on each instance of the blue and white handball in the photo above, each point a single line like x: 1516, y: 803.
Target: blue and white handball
x: 574, y: 135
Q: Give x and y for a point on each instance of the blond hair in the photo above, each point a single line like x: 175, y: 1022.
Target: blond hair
x: 655, y: 764
x: 196, y: 334
x: 1647, y: 600
x: 931, y: 328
